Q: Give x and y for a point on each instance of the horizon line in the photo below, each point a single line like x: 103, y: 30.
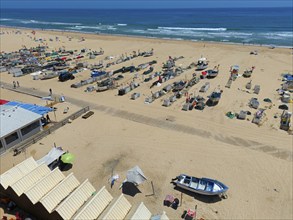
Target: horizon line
x: 154, y: 8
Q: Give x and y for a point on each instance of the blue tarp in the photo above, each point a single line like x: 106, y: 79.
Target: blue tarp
x: 97, y: 73
x: 288, y: 77
x: 41, y: 110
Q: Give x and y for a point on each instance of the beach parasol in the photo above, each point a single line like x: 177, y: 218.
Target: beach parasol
x: 67, y: 158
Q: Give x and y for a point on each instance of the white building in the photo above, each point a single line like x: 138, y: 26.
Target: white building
x: 16, y: 125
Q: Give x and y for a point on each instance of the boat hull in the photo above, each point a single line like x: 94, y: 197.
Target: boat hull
x: 203, y: 186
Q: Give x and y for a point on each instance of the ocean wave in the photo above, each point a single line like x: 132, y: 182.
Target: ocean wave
x: 285, y: 34
x: 100, y: 27
x: 121, y: 24
x: 47, y: 22
x: 6, y: 19
x: 193, y: 29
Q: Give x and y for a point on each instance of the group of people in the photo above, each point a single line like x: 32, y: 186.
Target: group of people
x: 15, y: 84
x: 45, y: 120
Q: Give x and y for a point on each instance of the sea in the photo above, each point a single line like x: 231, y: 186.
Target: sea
x: 261, y: 26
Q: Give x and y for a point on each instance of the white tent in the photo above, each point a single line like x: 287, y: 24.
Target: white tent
x: 135, y: 175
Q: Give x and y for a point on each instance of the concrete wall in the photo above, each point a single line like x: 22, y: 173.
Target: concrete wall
x: 20, y: 136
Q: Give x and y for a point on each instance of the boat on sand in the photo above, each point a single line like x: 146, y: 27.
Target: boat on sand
x: 203, y: 186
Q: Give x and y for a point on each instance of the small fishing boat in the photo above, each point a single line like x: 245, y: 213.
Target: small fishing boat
x: 178, y: 86
x: 247, y: 73
x: 49, y: 74
x: 213, y: 73
x: 215, y: 97
x: 204, y: 186
x: 202, y: 63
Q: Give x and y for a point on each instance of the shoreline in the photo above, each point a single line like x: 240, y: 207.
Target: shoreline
x: 166, y: 141
x: 149, y: 38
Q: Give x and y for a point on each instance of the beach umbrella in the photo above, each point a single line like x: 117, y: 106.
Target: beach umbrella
x: 67, y: 158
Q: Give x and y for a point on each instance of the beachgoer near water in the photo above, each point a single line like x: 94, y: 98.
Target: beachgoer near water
x: 14, y: 84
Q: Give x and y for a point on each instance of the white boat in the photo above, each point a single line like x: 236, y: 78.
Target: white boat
x: 49, y: 74
x: 204, y: 186
x: 202, y: 63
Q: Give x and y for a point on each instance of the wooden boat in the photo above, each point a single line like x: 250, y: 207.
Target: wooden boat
x: 202, y: 186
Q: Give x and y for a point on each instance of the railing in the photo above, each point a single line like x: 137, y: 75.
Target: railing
x: 32, y: 140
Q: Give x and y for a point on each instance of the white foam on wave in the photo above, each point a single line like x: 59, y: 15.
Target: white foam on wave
x: 47, y: 22
x: 121, y: 24
x: 193, y: 29
x: 284, y: 34
x: 6, y: 19
x: 100, y: 27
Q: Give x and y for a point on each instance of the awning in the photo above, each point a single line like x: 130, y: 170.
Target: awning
x: 53, y: 155
x: 135, y: 175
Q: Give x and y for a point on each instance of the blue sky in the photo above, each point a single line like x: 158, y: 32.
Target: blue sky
x: 142, y: 3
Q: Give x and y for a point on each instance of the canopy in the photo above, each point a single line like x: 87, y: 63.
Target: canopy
x: 41, y: 110
x: 135, y: 175
x: 2, y: 101
x: 53, y: 155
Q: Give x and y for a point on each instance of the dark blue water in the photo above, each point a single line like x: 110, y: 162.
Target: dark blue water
x: 269, y: 26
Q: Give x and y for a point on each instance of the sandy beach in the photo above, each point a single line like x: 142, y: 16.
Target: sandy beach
x: 254, y: 161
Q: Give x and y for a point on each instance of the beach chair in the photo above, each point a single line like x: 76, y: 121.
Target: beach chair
x: 189, y: 214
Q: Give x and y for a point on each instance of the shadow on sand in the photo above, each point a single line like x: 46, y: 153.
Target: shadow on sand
x: 210, y: 103
x: 202, y: 198
x: 65, y: 166
x: 130, y: 189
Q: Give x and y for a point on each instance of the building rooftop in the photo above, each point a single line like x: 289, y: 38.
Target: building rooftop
x: 14, y: 117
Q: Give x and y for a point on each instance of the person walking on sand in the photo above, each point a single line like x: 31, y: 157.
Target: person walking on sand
x: 14, y: 84
x: 17, y: 83
x: 48, y: 118
x: 50, y: 91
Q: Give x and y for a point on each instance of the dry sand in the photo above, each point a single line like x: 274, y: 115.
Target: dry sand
x: 254, y: 161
